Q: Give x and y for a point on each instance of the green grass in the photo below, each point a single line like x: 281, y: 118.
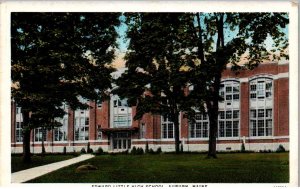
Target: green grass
x: 183, y: 168
x: 37, y: 160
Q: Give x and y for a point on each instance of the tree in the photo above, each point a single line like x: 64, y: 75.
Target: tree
x: 56, y: 58
x: 169, y: 52
x: 156, y: 79
x: 225, y: 38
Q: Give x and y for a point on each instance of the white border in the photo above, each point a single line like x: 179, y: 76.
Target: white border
x: 143, y: 6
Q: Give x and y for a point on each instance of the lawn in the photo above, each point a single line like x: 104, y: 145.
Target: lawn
x: 183, y: 168
x: 37, y: 160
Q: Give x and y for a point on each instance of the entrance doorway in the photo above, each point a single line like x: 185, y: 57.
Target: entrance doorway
x: 121, y: 141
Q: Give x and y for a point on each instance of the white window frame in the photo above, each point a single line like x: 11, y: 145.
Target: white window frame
x: 196, y: 129
x: 261, y: 88
x: 225, y: 117
x: 38, y: 132
x: 228, y: 125
x: 255, y: 119
x: 81, y: 125
x: 258, y: 124
x: 165, y: 130
x: 19, y: 134
x: 61, y: 132
x: 122, y: 118
x: 142, y: 131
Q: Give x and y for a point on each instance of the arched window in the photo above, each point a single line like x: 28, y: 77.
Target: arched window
x: 229, y: 109
x: 261, y: 107
x: 121, y: 113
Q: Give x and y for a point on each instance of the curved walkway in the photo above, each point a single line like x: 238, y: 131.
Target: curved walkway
x: 29, y: 174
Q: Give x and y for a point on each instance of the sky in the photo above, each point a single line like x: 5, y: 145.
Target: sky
x: 123, y: 42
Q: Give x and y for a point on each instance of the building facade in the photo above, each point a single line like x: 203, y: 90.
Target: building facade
x: 255, y: 111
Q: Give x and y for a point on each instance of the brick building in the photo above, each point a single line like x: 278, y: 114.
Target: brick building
x: 254, y: 112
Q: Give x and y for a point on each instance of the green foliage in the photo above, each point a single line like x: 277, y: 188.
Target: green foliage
x: 133, y: 150
x: 158, y: 151
x: 83, y: 151
x: 139, y: 151
x: 99, y: 151
x: 169, y: 51
x: 65, y: 150
x: 147, y: 148
x: 181, y: 147
x: 243, y: 148
x: 280, y: 148
x: 151, y: 151
x: 57, y: 58
x: 89, y: 150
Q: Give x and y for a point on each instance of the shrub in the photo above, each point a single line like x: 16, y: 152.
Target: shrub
x: 99, y: 151
x: 243, y: 148
x: 133, y: 150
x: 151, y: 151
x: 139, y: 151
x: 280, y: 149
x: 158, y: 151
x: 65, y: 150
x: 147, y: 148
x: 82, y: 151
x: 89, y: 150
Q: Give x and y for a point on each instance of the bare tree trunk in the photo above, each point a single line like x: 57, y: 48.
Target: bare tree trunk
x: 176, y: 131
x: 26, y: 138
x: 213, y: 104
x: 43, y: 145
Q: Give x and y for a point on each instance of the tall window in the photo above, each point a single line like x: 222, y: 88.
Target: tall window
x: 19, y: 136
x: 261, y: 122
x: 82, y: 125
x: 230, y: 90
x: 229, y: 123
x: 167, y: 128
x: 261, y: 88
x: 99, y: 134
x: 261, y: 107
x: 60, y: 133
x: 199, y: 129
x: 142, y: 130
x: 19, y: 125
x: 120, y: 112
x: 40, y: 134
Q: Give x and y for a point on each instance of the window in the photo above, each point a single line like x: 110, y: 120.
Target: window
x: 40, y: 134
x: 99, y: 134
x: 19, y: 125
x: 81, y: 125
x: 120, y: 112
x: 230, y: 90
x: 19, y: 136
x: 143, y: 130
x: 229, y: 124
x: 167, y: 128
x: 99, y: 104
x: 261, y: 122
x: 199, y: 129
x: 60, y: 133
x: 261, y: 88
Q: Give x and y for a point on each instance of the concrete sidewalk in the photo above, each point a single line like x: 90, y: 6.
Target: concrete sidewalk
x: 28, y: 174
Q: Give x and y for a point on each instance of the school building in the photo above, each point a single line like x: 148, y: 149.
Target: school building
x: 255, y: 111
